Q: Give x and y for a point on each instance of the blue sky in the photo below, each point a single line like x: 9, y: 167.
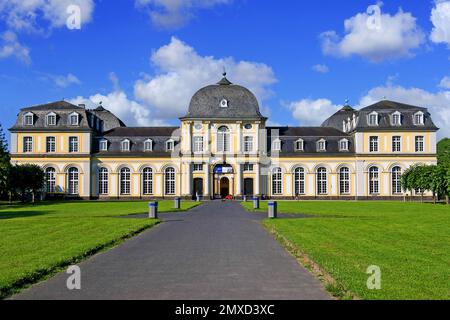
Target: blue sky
x: 145, y: 58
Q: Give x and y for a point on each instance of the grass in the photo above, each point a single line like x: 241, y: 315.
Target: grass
x: 410, y: 242
x: 39, y: 240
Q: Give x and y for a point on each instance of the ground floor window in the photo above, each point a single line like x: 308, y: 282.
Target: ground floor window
x: 396, y: 180
x: 50, y: 180
x: 169, y: 178
x: 322, y: 181
x: 299, y: 177
x: 103, y: 181
x: 277, y: 181
x: 147, y: 180
x: 125, y: 181
x: 73, y: 181
x: 374, y: 180
x: 344, y: 180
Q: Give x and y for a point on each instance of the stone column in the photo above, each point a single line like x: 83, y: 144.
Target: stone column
x: 258, y: 147
x: 189, y: 178
x: 257, y: 181
x: 189, y: 137
x: 207, y: 182
x: 239, y: 140
x: 239, y: 180
x: 207, y: 138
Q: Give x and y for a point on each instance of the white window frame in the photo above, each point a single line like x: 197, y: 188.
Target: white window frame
x: 322, y: 181
x: 50, y: 147
x: 249, y: 167
x: 148, y: 145
x: 344, y: 181
x: 170, y: 181
x: 344, y: 147
x: 73, y: 181
x: 170, y: 145
x: 223, y: 139
x: 125, y: 181
x: 396, y: 181
x: 322, y: 145
x: 396, y: 145
x: 103, y: 145
x: 422, y: 118
x: 125, y: 145
x: 197, y: 167
x: 394, y: 117
x: 28, y: 144
x: 276, y: 145
x: 198, y: 144
x: 277, y: 182
x: 377, y: 120
x: 374, y: 144
x: 26, y: 117
x: 74, y: 144
x: 77, y: 121
x: 147, y: 181
x: 49, y: 116
x: 419, y: 144
x: 374, y: 180
x: 299, y: 181
x: 248, y: 144
x: 50, y: 180
x: 103, y: 181
x: 299, y: 145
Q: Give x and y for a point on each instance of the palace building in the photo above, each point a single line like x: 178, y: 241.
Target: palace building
x: 223, y: 147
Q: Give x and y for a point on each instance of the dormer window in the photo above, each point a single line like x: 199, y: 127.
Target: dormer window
x: 397, y: 119
x: 28, y: 119
x: 103, y: 145
x: 74, y: 119
x: 343, y: 145
x: 321, y: 145
x: 125, y: 145
x: 276, y: 145
x: 224, y: 103
x: 373, y: 119
x: 51, y: 119
x: 148, y: 145
x: 419, y: 119
x: 170, y: 145
x: 299, y: 145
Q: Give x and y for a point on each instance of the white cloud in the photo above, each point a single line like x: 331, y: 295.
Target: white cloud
x: 320, y: 68
x: 389, y: 37
x: 182, y: 71
x: 310, y: 112
x: 62, y: 81
x: 445, y: 83
x: 437, y: 102
x: 440, y: 17
x: 175, y: 13
x: 10, y: 46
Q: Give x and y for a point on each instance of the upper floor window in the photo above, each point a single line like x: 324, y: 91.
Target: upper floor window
x: 125, y: 145
x: 396, y: 144
x: 28, y: 144
x: 299, y: 145
x: 419, y: 118
x: 373, y: 144
x: 420, y: 144
x: 28, y: 119
x: 198, y: 167
x: 276, y: 145
x: 343, y: 145
x: 197, y: 144
x: 397, y: 119
x: 148, y: 145
x: 103, y: 145
x: 321, y: 145
x: 50, y: 144
x: 223, y: 139
x: 373, y: 119
x: 248, y: 144
x: 248, y: 167
x: 74, y: 119
x: 73, y: 144
x: 51, y: 119
x: 170, y: 145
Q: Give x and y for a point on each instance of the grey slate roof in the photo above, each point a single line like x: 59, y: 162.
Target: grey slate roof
x: 242, y: 104
x: 336, y: 120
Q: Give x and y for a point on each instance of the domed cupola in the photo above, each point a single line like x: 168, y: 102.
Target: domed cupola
x: 337, y: 119
x: 224, y: 100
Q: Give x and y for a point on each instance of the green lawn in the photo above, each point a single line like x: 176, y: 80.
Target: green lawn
x: 410, y: 242
x: 37, y: 240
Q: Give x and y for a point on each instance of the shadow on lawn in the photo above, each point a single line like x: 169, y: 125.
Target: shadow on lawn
x: 6, y: 215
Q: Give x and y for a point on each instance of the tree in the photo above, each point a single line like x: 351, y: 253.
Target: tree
x: 27, y: 178
x: 438, y: 181
x: 5, y: 164
x: 443, y: 151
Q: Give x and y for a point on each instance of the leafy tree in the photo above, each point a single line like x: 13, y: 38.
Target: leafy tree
x: 5, y: 164
x: 27, y: 178
x: 438, y: 181
x: 443, y: 150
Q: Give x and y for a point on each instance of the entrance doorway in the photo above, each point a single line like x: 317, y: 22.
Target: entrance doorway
x: 198, y: 188
x: 248, y: 187
x: 224, y: 187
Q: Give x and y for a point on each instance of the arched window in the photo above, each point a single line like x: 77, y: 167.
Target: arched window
x: 147, y: 181
x: 73, y: 181
x: 396, y: 180
x: 344, y: 180
x: 125, y: 181
x: 50, y: 180
x: 322, y: 181
x: 374, y: 180
x: 103, y: 181
x: 277, y: 181
x: 223, y: 139
x: 169, y: 181
x: 299, y: 178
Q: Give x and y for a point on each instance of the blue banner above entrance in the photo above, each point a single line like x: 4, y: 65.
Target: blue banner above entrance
x: 223, y: 169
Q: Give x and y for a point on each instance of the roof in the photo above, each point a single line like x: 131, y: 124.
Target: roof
x: 53, y: 106
x: 308, y: 132
x: 147, y: 132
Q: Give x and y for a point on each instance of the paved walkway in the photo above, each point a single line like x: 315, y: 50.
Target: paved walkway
x: 215, y: 251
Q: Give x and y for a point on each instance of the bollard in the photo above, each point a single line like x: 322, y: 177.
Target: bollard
x: 245, y: 198
x: 255, y: 203
x: 177, y: 203
x: 153, y: 210
x: 273, y: 210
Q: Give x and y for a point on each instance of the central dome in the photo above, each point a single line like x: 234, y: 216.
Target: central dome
x: 224, y: 100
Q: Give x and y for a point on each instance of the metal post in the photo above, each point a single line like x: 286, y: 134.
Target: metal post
x: 177, y: 203
x: 153, y: 210
x: 256, y: 203
x: 273, y: 210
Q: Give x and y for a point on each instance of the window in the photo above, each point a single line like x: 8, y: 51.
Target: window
x: 125, y: 181
x: 373, y: 144
x: 125, y: 145
x: 248, y: 144
x: 373, y: 119
x: 73, y: 181
x: 29, y: 119
x: 248, y: 167
x: 299, y: 180
x: 397, y: 119
x: 73, y: 119
x: 148, y: 145
x: 28, y: 144
x: 198, y: 144
x: 170, y: 145
x: 50, y: 144
x: 169, y: 181
x: 73, y: 144
x: 299, y: 145
x: 223, y: 139
x: 419, y: 118
x: 396, y: 180
x: 198, y: 167
x: 51, y: 119
x: 322, y: 181
x: 103, y: 181
x: 343, y: 145
x: 374, y: 181
x: 276, y: 145
x: 104, y: 145
x: 396, y: 144
x: 321, y: 145
x: 224, y: 103
x: 147, y: 180
x: 277, y: 181
x: 344, y: 180
x: 50, y: 180
x: 420, y: 144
